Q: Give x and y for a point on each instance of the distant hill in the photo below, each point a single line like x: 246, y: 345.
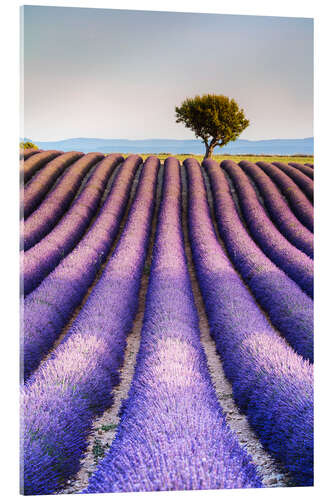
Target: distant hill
x: 240, y: 146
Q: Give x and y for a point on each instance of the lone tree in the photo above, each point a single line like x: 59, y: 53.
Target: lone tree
x: 215, y: 119
x: 28, y: 145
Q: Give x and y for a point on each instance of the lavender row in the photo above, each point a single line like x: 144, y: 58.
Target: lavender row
x: 294, y: 263
x: 271, y: 383
x: 279, y: 210
x: 49, y: 307
x: 303, y: 168
x: 26, y: 153
x: 76, y: 383
x: 57, y: 201
x: 36, y: 162
x: 298, y: 201
x: 43, y: 257
x: 289, y: 308
x: 172, y: 434
x: 36, y: 190
x: 298, y: 177
x: 309, y: 165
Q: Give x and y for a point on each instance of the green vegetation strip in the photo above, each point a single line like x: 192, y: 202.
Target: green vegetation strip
x: 236, y: 158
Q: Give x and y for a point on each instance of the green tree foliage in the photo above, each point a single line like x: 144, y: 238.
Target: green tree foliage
x: 28, y: 145
x: 215, y: 119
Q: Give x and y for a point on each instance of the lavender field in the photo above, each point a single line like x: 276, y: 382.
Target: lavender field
x: 167, y: 323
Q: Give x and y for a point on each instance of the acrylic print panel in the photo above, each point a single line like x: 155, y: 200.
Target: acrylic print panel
x: 167, y: 251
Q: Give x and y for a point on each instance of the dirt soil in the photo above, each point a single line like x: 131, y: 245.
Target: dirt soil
x: 104, y: 428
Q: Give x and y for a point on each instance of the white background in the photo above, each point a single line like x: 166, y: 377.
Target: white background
x: 9, y: 231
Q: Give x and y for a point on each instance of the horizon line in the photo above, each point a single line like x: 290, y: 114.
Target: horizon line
x: 160, y: 139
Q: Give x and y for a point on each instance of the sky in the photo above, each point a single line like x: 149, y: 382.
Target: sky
x: 114, y: 74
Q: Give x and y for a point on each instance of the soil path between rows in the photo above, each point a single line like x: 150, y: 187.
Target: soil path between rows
x: 101, y: 269
x: 272, y: 472
x: 105, y: 427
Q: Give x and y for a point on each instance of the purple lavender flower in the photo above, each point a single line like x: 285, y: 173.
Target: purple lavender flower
x: 271, y: 383
x: 279, y: 211
x: 48, y: 308
x: 306, y: 168
x: 31, y: 165
x: 43, y: 257
x: 36, y: 190
x: 173, y: 434
x: 35, y: 227
x: 296, y: 198
x: 294, y: 263
x: 301, y: 179
x: 75, y: 383
x: 25, y: 153
x: 288, y: 307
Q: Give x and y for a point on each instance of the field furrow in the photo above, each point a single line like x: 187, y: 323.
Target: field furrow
x: 26, y: 153
x: 288, y: 307
x: 167, y: 323
x: 270, y: 470
x: 298, y: 202
x: 39, y: 186
x: 35, y: 162
x: 271, y: 383
x: 279, y: 210
x: 43, y: 257
x: 123, y: 221
x: 48, y: 308
x: 306, y: 169
x: 104, y: 428
x: 78, y: 378
x: 46, y: 216
x: 172, y: 433
x: 298, y: 177
x: 294, y: 263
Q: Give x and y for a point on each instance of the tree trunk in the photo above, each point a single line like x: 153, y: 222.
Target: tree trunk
x: 209, y: 150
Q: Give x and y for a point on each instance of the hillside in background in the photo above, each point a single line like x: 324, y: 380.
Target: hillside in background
x: 240, y: 146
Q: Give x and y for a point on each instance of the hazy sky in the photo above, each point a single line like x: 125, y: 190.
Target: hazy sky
x: 120, y: 74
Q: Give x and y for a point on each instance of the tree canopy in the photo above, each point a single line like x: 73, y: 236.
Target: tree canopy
x: 28, y: 145
x: 216, y: 119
